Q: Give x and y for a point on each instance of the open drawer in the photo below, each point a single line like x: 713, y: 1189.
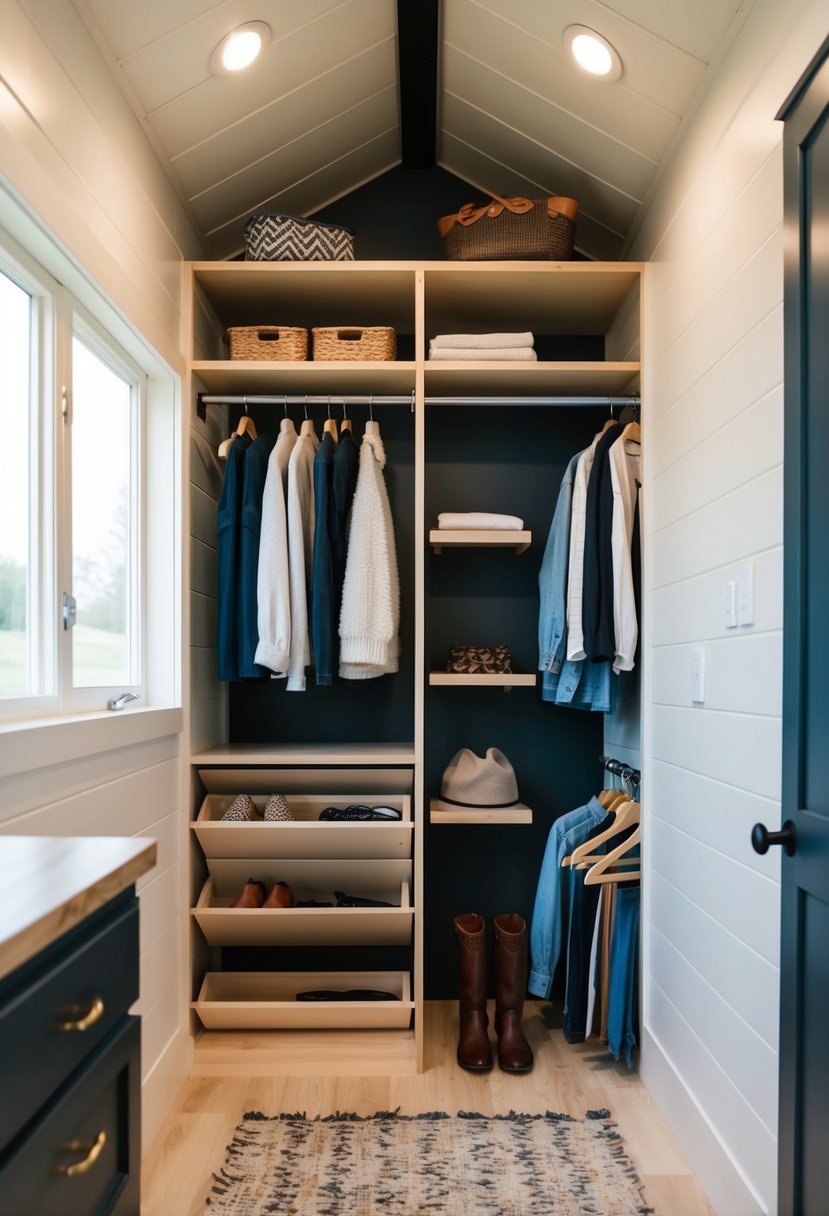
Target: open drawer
x: 306, y: 836
x: 266, y: 1000
x: 388, y: 880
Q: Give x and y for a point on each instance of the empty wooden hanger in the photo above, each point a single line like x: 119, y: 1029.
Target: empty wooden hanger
x: 601, y: 870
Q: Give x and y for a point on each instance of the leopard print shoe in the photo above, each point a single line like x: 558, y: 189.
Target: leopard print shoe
x: 241, y: 810
x: 277, y: 809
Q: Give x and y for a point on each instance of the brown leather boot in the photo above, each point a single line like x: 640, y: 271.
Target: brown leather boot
x: 474, y: 1050
x: 280, y: 896
x: 514, y: 1052
x: 252, y: 895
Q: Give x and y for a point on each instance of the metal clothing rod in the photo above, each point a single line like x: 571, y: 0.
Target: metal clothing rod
x: 620, y: 769
x: 205, y: 399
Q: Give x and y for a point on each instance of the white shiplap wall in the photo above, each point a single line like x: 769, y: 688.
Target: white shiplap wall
x: 713, y: 501
x: 80, y: 184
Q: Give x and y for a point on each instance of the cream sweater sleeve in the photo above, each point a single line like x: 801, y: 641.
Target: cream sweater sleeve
x: 272, y: 586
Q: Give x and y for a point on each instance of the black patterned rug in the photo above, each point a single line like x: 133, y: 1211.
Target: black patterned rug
x: 399, y: 1165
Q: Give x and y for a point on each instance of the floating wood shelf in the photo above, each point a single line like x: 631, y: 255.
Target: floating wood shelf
x: 506, y: 681
x: 287, y: 376
x: 450, y: 378
x: 479, y: 538
x: 515, y: 814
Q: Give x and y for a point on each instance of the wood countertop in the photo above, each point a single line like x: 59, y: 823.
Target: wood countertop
x: 48, y: 884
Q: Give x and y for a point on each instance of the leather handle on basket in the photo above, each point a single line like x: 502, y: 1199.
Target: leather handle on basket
x: 470, y: 213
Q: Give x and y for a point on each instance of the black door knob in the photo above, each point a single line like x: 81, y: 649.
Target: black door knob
x: 762, y: 838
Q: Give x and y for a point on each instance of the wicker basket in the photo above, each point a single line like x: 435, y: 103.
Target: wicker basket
x: 350, y: 342
x: 510, y: 228
x: 268, y: 342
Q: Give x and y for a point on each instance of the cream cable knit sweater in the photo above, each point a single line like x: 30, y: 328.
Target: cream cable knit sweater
x: 370, y: 614
x: 273, y: 582
x: 300, y: 554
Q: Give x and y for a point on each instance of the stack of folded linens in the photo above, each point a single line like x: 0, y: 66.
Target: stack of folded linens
x: 483, y: 346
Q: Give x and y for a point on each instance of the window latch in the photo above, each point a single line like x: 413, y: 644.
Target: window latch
x: 120, y: 702
x: 70, y: 611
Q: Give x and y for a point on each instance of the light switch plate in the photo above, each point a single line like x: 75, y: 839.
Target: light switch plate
x: 745, y: 594
x: 731, y: 605
x: 698, y: 675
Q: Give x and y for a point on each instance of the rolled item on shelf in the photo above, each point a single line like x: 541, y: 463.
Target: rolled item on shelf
x: 482, y: 341
x: 519, y: 354
x: 484, y: 520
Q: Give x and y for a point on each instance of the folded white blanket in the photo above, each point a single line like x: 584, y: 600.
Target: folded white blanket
x: 483, y: 520
x: 482, y: 341
x: 524, y: 354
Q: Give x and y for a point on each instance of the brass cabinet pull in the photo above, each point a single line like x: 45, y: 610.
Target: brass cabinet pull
x: 92, y: 1015
x: 93, y: 1152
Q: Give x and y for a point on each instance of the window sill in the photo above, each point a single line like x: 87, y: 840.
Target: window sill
x: 46, y: 742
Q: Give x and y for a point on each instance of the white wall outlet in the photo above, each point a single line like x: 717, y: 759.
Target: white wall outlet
x: 745, y: 594
x: 731, y: 605
x: 698, y: 675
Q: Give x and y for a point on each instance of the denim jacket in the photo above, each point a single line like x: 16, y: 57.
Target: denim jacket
x: 546, y: 926
x: 565, y: 681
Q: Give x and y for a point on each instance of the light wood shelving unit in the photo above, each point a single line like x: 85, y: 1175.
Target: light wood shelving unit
x: 420, y: 299
x: 507, y: 680
x: 479, y: 538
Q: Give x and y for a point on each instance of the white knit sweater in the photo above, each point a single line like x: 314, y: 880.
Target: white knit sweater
x: 273, y: 585
x: 370, y: 614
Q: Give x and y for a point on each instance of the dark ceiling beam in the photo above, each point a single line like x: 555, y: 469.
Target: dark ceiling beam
x: 417, y: 53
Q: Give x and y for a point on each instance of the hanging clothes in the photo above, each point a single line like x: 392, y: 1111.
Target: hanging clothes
x: 227, y: 545
x: 323, y: 620
x: 622, y: 1013
x: 575, y: 569
x: 255, y: 474
x: 597, y: 584
x: 273, y: 589
x: 568, y: 682
x: 370, y: 615
x: 624, y: 462
x: 552, y: 891
x: 300, y: 550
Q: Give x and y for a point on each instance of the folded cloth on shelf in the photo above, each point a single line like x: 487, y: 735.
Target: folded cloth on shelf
x: 481, y: 341
x: 357, y: 812
x: 523, y: 354
x: 486, y: 521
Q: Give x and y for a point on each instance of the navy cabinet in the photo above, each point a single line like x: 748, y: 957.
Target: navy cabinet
x: 70, y: 1056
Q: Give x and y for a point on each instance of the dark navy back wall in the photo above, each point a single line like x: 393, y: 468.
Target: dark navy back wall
x: 506, y: 459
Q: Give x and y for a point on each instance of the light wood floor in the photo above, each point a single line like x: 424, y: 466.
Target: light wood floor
x: 571, y: 1079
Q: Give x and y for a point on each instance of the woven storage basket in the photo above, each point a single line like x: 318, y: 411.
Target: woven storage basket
x: 350, y: 342
x: 268, y: 342
x: 290, y: 238
x: 520, y: 228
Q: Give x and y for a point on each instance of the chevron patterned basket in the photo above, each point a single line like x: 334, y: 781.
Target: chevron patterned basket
x: 289, y: 238
x: 268, y: 342
x: 350, y: 342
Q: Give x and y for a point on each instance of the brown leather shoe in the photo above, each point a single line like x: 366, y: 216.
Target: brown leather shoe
x: 252, y: 895
x: 474, y: 1050
x: 514, y: 1052
x: 280, y: 896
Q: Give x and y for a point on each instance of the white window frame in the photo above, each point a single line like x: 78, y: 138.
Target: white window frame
x: 77, y: 323
x: 41, y: 640
x: 159, y: 483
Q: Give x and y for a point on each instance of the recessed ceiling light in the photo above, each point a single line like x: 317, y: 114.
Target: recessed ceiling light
x: 239, y: 48
x: 592, y: 52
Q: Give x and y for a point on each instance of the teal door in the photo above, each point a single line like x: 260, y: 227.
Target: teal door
x: 804, y: 1041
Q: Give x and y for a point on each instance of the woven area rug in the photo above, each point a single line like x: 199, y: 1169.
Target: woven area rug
x: 398, y: 1165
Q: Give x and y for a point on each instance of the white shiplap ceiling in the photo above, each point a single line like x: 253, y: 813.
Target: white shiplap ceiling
x: 319, y: 114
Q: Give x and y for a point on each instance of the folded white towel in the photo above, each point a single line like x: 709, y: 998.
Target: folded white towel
x: 482, y: 341
x: 523, y: 354
x: 483, y: 520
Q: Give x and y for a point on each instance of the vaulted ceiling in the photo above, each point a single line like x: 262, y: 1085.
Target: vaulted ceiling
x: 321, y: 111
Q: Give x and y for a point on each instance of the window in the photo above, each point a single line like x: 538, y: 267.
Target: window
x: 71, y: 502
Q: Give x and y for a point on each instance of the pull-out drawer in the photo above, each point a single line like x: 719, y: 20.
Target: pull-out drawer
x: 81, y: 1157
x: 61, y: 1011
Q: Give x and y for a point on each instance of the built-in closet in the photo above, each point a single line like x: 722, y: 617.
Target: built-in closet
x: 459, y: 437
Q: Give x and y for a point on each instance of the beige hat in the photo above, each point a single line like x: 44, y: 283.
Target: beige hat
x: 478, y: 783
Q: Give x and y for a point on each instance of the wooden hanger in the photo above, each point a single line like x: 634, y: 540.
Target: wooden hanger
x: 329, y: 427
x: 246, y: 427
x: 633, y: 432
x: 626, y: 815
x: 601, y: 870
x: 345, y: 425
